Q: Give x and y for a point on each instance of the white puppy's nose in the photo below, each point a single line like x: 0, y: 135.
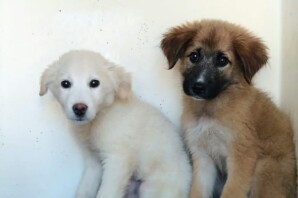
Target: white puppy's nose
x: 79, y: 109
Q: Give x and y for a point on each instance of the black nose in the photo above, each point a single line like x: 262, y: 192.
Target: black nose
x: 79, y: 109
x: 199, y: 88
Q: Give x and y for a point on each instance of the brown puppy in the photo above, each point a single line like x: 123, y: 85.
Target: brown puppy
x: 231, y: 128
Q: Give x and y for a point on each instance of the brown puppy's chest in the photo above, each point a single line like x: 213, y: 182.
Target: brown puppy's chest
x: 208, y: 136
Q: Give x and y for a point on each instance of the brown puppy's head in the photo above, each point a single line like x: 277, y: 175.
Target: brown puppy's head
x: 213, y: 56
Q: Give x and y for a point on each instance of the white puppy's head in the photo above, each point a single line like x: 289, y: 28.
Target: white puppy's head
x: 84, y: 83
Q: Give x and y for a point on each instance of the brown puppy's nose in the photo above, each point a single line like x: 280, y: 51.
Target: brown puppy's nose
x: 79, y: 109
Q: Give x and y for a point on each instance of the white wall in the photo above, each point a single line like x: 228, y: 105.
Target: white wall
x: 38, y: 157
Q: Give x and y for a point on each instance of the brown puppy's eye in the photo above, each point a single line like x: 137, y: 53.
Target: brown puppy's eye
x: 94, y: 83
x: 195, y: 56
x: 65, y: 84
x: 222, y: 60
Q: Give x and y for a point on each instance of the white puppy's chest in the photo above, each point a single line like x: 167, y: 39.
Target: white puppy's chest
x: 207, y: 136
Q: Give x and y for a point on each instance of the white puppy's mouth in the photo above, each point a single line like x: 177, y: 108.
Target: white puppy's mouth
x: 79, y: 120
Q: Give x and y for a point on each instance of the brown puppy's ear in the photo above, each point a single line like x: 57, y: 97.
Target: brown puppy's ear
x: 175, y: 43
x: 251, y: 52
x: 123, y: 82
x: 46, y: 79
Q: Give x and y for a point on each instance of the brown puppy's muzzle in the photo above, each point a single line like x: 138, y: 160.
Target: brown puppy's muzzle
x: 201, y: 83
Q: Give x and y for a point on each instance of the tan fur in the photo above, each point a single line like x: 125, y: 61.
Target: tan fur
x: 260, y: 157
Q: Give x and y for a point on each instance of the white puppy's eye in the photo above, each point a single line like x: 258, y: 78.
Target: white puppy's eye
x: 94, y: 83
x: 65, y: 84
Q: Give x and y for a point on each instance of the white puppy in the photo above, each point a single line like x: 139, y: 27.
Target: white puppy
x: 124, y: 137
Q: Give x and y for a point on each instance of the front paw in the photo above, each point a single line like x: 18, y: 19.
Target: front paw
x: 233, y: 194
x: 195, y: 192
x: 84, y: 194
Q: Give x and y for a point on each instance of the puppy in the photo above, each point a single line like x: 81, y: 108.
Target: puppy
x: 232, y: 129
x: 124, y: 138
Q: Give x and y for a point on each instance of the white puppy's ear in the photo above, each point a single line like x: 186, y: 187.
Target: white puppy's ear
x: 46, y: 78
x: 122, y: 82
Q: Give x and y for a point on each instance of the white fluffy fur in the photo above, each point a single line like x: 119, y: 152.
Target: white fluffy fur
x: 123, y: 136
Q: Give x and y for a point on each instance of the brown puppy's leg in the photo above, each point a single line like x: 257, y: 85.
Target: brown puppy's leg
x: 275, y: 178
x: 195, y: 191
x: 241, y: 167
x: 204, y: 175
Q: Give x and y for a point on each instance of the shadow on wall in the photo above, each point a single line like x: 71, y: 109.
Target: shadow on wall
x: 289, y: 80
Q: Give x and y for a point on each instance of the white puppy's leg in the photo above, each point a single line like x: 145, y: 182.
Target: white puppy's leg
x: 167, y: 183
x: 204, y: 176
x: 161, y: 187
x: 91, y: 179
x: 117, y: 172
